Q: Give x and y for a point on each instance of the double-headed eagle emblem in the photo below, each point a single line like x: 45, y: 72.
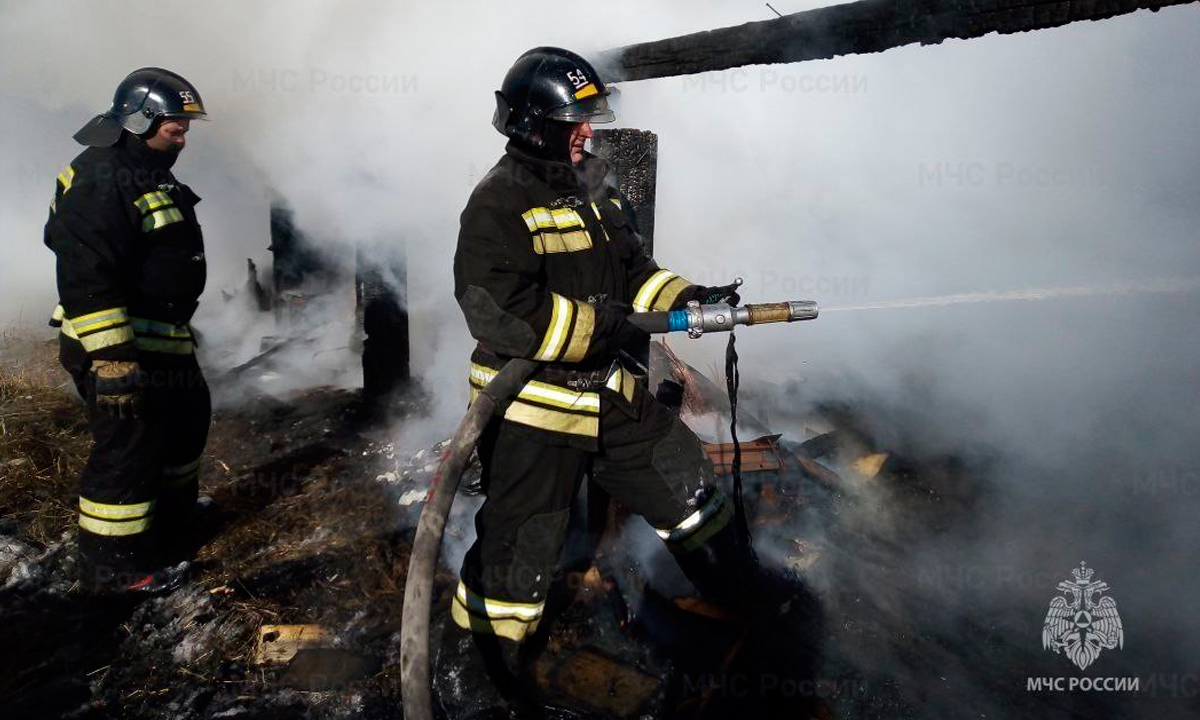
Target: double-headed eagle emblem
x: 1078, y: 624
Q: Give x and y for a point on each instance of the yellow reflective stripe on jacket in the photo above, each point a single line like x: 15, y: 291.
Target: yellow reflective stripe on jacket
x: 643, y: 301
x: 100, y: 329
x: 553, y: 242
x: 659, y: 292
x: 474, y: 612
x: 540, y: 218
x: 569, y: 332
x: 157, y: 327
x: 581, y: 333
x: 666, y: 298
x: 693, y: 530
x: 562, y: 312
x: 112, y: 327
x: 163, y: 337
x: 621, y: 382
x: 541, y: 392
x: 159, y: 345
x: 99, y: 320
x: 161, y: 218
x: 152, y: 201
x: 114, y: 519
x: 66, y: 177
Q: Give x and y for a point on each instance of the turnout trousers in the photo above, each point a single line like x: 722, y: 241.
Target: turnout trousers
x: 652, y: 464
x: 140, y: 483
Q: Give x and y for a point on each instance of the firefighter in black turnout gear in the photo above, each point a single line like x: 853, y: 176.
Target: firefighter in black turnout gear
x: 131, y: 267
x: 549, y: 266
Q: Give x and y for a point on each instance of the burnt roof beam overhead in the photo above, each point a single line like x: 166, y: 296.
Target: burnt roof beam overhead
x: 866, y: 26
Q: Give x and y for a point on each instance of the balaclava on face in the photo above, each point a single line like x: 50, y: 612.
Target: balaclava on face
x: 557, y: 138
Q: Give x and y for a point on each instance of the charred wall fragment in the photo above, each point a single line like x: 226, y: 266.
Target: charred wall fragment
x: 632, y: 156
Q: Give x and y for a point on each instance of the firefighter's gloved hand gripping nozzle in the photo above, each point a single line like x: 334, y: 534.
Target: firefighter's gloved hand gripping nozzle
x: 695, y: 319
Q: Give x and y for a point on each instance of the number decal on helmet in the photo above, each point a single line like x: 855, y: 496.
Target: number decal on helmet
x: 577, y: 78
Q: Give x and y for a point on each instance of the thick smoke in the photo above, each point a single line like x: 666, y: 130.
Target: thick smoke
x: 1060, y: 158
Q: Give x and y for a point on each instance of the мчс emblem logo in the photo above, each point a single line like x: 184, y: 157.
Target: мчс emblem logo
x: 1080, y: 625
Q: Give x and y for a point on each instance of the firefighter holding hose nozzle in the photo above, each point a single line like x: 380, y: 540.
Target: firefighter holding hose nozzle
x: 549, y: 267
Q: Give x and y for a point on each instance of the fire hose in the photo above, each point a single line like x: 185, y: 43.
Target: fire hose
x: 415, y: 666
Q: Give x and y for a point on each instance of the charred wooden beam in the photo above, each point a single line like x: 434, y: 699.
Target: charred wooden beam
x: 866, y: 26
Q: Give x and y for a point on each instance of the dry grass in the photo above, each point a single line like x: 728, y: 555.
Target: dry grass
x: 44, y: 440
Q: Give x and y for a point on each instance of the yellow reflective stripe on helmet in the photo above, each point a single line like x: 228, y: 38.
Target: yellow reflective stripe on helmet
x: 581, y: 334
x: 644, y: 300
x: 615, y: 201
x: 561, y: 315
x: 474, y: 612
x: 536, y: 391
x: 161, y: 218
x: 666, y: 298
x: 153, y: 200
x: 113, y: 528
x: 111, y: 511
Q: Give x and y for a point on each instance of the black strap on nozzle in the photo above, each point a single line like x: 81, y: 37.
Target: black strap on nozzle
x: 732, y: 380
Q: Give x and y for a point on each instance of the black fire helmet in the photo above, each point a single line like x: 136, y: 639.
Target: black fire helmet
x: 143, y: 97
x: 549, y: 83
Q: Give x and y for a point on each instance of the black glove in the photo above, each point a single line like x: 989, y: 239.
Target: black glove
x: 118, y: 388
x: 625, y: 334
x: 717, y: 294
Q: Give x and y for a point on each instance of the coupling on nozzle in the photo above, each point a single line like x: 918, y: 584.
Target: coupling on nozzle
x: 698, y: 319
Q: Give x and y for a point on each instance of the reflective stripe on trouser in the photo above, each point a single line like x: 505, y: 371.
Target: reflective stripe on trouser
x: 512, y: 620
x: 691, y: 532
x: 115, y: 519
x: 121, y: 487
x: 653, y: 465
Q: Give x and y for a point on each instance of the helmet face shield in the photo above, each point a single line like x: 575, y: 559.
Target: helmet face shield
x: 594, y: 109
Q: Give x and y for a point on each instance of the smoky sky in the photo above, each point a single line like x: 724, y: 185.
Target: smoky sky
x: 1058, y: 158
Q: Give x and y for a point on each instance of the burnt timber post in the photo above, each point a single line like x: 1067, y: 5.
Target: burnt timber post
x: 380, y: 287
x: 298, y: 271
x: 632, y: 156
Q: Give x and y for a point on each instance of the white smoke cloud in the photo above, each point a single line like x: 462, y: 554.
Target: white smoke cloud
x: 1060, y: 158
